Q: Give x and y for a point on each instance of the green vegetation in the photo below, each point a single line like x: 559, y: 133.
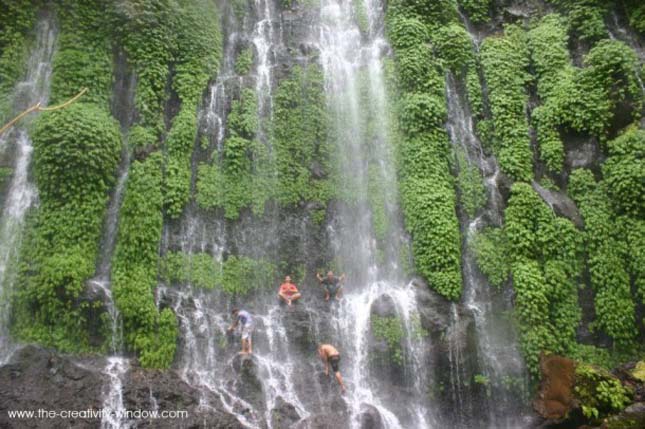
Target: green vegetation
x: 83, y: 57
x: 491, y: 252
x: 236, y: 275
x: 550, y: 57
x: 299, y: 137
x: 242, y: 177
x: 427, y: 187
x: 390, y: 330
x: 477, y: 10
x: 599, y: 392
x: 76, y: 154
x: 505, y: 60
x: 472, y: 192
x: 545, y: 257
x: 453, y: 46
x: 17, y: 19
x: 609, y: 276
x: 244, y: 61
x: 134, y: 272
x: 586, y: 18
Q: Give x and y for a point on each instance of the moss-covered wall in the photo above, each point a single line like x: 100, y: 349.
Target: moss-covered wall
x: 427, y: 186
x: 537, y: 86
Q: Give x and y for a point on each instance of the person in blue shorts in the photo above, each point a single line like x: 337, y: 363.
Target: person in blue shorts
x: 244, y: 320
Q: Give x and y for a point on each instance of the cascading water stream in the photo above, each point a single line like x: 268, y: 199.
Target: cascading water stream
x: 22, y: 193
x: 353, y: 70
x: 206, y: 358
x: 116, y: 365
x: 499, y: 357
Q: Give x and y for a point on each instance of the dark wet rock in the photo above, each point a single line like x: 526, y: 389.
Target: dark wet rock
x: 299, y: 324
x: 36, y: 378
x: 433, y: 308
x: 383, y: 306
x: 246, y: 382
x: 581, y: 153
x: 370, y: 417
x: 165, y: 390
x: 633, y: 417
x: 560, y: 203
x: 284, y: 414
x: 332, y: 420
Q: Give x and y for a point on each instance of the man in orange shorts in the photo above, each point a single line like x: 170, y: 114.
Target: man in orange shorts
x: 288, y: 291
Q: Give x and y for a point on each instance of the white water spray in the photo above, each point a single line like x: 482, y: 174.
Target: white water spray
x: 22, y: 193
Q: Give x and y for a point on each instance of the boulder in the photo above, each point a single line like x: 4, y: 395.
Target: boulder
x: 555, y: 397
x: 36, y: 378
x: 383, y: 306
x: 332, y: 420
x: 165, y: 390
x: 370, y: 417
x: 283, y: 414
x: 559, y: 203
x: 433, y: 308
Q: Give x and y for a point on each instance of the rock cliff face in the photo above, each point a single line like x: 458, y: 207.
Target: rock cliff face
x: 38, y: 379
x: 473, y: 167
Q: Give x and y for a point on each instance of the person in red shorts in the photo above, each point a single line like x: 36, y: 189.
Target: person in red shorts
x: 288, y: 291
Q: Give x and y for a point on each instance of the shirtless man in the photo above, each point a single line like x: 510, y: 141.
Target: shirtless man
x: 330, y: 356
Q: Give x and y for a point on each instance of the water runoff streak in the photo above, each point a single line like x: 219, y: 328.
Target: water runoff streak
x: 500, y: 360
x: 248, y: 388
x: 21, y: 193
x: 351, y: 58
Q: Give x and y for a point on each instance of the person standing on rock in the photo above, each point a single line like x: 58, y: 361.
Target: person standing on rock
x: 330, y: 356
x: 333, y: 285
x: 288, y: 291
x: 244, y: 320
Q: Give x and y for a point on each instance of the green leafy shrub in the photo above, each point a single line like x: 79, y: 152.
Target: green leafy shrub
x: 390, y: 330
x: 179, y: 145
x: 242, y: 177
x: 244, y: 61
x: 599, y: 392
x: 492, y: 254
x: 607, y: 266
x: 624, y: 173
x: 545, y: 256
x: 431, y: 13
x: 586, y: 18
x: 454, y: 47
x: 83, y: 57
x: 236, y: 275
x: 17, y: 19
x: 406, y: 32
x: 472, y: 192
x: 505, y: 60
x: 427, y: 187
x: 134, y: 271
x: 477, y: 10
x: 636, y: 13
x: 299, y: 136
x: 76, y: 155
x: 549, y: 54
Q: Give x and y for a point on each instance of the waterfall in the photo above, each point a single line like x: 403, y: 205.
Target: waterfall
x: 500, y: 361
x: 351, y: 58
x: 22, y: 193
x: 113, y: 407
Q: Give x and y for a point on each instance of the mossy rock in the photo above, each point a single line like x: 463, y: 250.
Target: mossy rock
x: 599, y: 393
x: 639, y: 371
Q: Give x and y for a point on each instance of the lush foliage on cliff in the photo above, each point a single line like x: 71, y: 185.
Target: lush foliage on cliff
x: 427, y: 187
